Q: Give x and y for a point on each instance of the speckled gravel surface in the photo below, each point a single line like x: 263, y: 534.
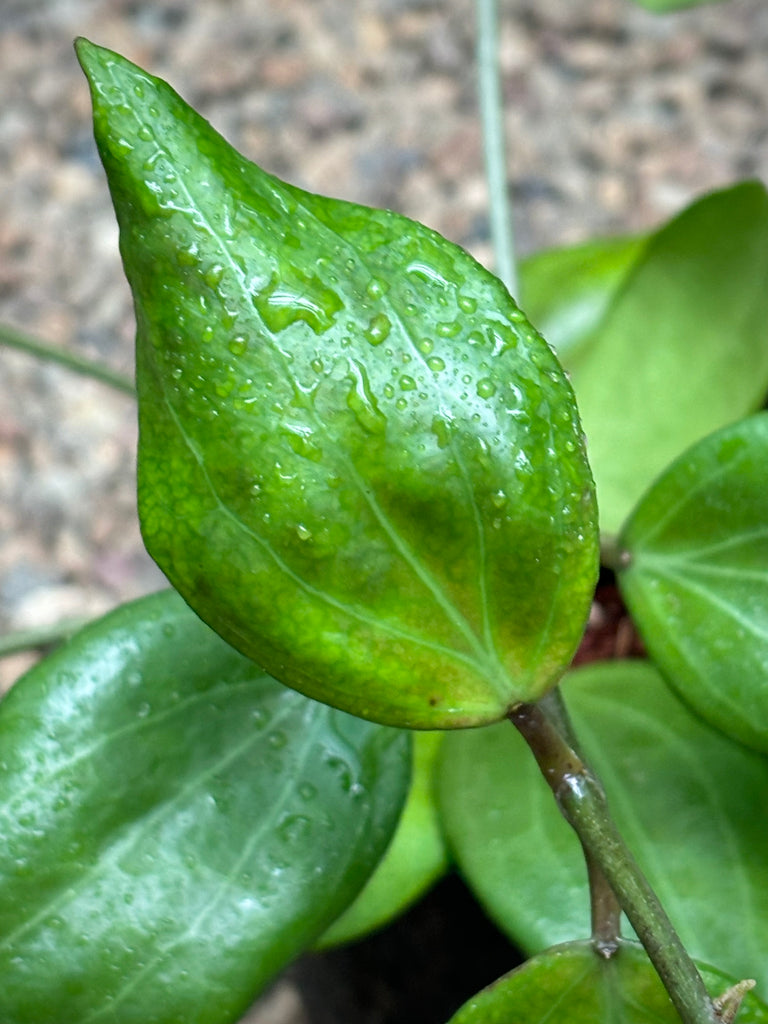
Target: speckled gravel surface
x: 615, y: 119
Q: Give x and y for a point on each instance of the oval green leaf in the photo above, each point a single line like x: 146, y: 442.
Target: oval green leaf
x: 697, y: 577
x: 567, y: 292
x: 682, y: 349
x: 689, y: 801
x: 357, y: 460
x: 416, y: 857
x: 176, y: 824
x: 575, y: 985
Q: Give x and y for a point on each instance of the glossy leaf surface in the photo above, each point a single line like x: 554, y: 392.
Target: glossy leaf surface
x: 697, y: 582
x: 573, y: 985
x: 416, y: 857
x: 689, y: 802
x: 567, y: 292
x: 357, y: 460
x: 176, y: 824
x: 682, y: 349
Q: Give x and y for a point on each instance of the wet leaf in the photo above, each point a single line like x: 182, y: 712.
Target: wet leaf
x: 357, y: 460
x: 697, y: 579
x: 416, y: 857
x: 682, y: 349
x: 574, y: 985
x: 176, y: 824
x: 689, y: 802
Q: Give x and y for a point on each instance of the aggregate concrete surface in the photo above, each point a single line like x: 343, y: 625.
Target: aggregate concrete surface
x: 615, y: 119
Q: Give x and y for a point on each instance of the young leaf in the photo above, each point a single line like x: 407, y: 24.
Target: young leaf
x: 689, y: 802
x: 682, y: 349
x: 697, y: 577
x: 357, y: 460
x: 176, y: 824
x: 416, y: 857
x: 575, y: 985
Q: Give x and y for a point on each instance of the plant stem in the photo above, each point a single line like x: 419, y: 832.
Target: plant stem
x: 14, y: 338
x: 40, y: 636
x: 492, y: 117
x: 583, y: 804
x: 605, y: 908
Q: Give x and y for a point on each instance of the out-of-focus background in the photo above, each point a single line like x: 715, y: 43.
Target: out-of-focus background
x: 615, y: 119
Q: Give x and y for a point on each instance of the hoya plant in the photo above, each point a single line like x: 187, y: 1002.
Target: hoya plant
x: 363, y: 471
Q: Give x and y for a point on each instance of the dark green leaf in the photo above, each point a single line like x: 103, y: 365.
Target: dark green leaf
x: 358, y: 462
x: 689, y: 801
x: 697, y: 579
x: 572, y: 984
x: 683, y: 348
x: 567, y: 292
x: 177, y: 825
x: 415, y: 859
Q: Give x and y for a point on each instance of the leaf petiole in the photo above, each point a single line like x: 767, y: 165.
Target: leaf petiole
x: 580, y: 798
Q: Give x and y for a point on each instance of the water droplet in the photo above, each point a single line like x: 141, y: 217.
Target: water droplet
x: 389, y: 391
x: 307, y: 791
x: 448, y: 329
x: 213, y: 275
x: 407, y: 383
x: 294, y: 828
x: 146, y: 133
x: 436, y: 363
x: 143, y: 710
x: 499, y: 499
x: 442, y: 431
x: 467, y: 304
x: 362, y: 402
x: 206, y: 335
x: 376, y: 288
x: 238, y: 345
x: 187, y: 257
x: 303, y: 533
x: 486, y: 388
x: 283, y: 303
x: 425, y: 346
x: 277, y: 739
x: 401, y: 404
x: 139, y: 91
x: 317, y: 365
x: 378, y: 329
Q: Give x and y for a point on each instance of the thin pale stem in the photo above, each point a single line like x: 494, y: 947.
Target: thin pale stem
x: 582, y: 802
x: 40, y: 636
x: 492, y: 117
x: 13, y: 338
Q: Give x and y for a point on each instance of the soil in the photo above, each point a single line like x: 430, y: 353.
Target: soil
x: 615, y: 119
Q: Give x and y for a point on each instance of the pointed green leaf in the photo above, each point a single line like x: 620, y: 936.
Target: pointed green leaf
x: 697, y: 578
x: 416, y: 857
x: 357, y: 460
x: 573, y: 984
x: 689, y: 802
x: 567, y: 292
x: 176, y: 824
x: 682, y: 349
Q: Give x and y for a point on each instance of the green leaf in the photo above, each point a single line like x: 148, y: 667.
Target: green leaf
x: 697, y: 578
x: 575, y: 985
x: 416, y: 858
x: 689, y: 802
x: 683, y: 348
x: 663, y: 6
x: 357, y: 460
x: 567, y: 292
x: 176, y: 824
